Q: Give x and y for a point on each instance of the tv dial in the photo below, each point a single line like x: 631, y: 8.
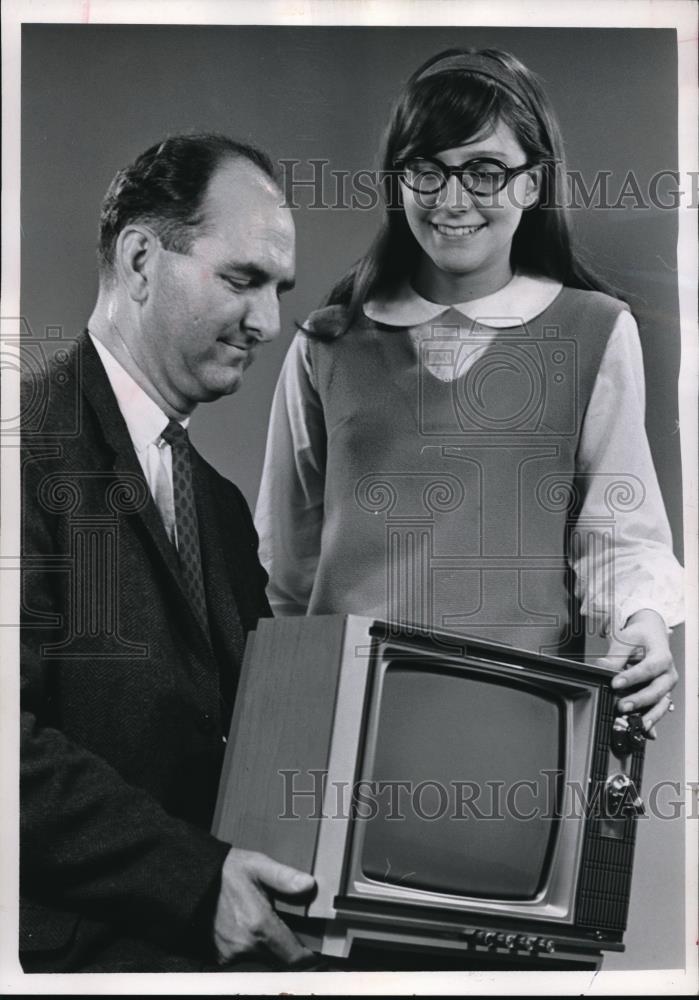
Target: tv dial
x: 628, y: 734
x: 622, y: 796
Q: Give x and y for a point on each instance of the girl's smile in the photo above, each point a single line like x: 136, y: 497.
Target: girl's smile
x: 451, y: 231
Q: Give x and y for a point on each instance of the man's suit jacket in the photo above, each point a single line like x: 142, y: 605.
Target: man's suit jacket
x: 125, y: 699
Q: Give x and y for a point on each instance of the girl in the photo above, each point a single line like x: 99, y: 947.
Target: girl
x: 457, y: 439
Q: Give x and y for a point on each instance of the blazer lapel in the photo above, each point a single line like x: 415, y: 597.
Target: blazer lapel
x: 217, y: 542
x: 98, y: 391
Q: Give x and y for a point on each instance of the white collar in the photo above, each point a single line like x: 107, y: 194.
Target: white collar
x: 144, y: 419
x: 523, y: 297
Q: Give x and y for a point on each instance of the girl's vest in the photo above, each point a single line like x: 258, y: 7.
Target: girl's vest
x: 451, y: 486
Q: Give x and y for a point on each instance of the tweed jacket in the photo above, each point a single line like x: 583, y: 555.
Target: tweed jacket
x: 126, y: 700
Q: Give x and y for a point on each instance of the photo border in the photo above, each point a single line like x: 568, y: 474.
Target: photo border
x: 680, y: 15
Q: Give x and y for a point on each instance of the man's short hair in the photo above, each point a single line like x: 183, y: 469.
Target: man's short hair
x: 165, y: 187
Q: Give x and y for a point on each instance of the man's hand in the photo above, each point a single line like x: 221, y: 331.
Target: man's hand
x: 643, y: 642
x: 245, y: 921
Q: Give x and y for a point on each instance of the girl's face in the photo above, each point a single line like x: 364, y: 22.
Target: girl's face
x: 465, y: 236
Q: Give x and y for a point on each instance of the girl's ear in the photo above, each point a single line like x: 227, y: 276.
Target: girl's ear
x: 533, y: 187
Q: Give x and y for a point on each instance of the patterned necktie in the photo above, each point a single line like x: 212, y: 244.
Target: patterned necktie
x: 186, y: 518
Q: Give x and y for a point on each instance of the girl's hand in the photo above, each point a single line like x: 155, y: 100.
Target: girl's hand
x: 643, y: 642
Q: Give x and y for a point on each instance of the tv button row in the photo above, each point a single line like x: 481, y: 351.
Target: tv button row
x: 513, y: 942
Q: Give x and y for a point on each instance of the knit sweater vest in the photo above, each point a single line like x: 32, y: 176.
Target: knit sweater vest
x: 450, y: 486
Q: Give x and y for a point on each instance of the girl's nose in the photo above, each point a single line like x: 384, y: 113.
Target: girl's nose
x: 455, y: 194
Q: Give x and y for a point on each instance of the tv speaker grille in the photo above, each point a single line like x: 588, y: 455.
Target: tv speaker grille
x: 604, y: 885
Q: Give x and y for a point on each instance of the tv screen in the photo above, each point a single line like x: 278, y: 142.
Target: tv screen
x: 462, y: 744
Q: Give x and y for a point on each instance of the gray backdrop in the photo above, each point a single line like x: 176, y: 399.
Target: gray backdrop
x: 95, y: 96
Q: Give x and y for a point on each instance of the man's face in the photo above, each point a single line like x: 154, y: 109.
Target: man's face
x: 207, y: 310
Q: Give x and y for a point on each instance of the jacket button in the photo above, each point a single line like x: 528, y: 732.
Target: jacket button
x: 207, y: 724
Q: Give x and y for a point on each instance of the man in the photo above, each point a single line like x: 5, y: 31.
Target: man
x: 141, y: 579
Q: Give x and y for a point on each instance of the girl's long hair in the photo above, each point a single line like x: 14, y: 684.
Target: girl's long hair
x: 448, y: 109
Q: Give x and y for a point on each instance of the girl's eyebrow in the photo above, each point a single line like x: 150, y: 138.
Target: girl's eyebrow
x: 482, y: 155
x: 475, y: 154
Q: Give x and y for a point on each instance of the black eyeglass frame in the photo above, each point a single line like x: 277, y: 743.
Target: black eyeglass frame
x: 460, y: 171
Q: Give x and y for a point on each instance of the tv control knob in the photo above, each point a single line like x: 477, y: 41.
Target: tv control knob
x: 546, y: 944
x: 511, y: 941
x: 617, y: 785
x: 628, y: 734
x: 622, y: 796
x: 525, y: 942
x: 479, y: 937
x: 490, y: 938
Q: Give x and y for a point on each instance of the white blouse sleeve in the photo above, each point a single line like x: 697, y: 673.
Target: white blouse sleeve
x: 622, y: 549
x: 289, y: 514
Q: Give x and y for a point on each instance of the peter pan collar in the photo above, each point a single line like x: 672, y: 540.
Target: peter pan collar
x: 523, y: 298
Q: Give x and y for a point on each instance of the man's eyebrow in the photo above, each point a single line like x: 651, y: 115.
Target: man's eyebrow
x: 257, y: 274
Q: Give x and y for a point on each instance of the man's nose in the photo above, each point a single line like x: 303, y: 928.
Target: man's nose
x: 262, y: 320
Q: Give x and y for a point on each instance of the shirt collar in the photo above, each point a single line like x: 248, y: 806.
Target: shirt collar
x: 523, y: 297
x: 144, y: 419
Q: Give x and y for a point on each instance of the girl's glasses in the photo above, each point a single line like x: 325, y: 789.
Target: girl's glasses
x: 482, y: 177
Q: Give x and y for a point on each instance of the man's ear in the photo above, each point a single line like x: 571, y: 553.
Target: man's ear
x: 533, y: 188
x: 136, y: 249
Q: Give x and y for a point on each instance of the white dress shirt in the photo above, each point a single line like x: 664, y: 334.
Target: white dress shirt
x: 289, y: 516
x: 145, y: 422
